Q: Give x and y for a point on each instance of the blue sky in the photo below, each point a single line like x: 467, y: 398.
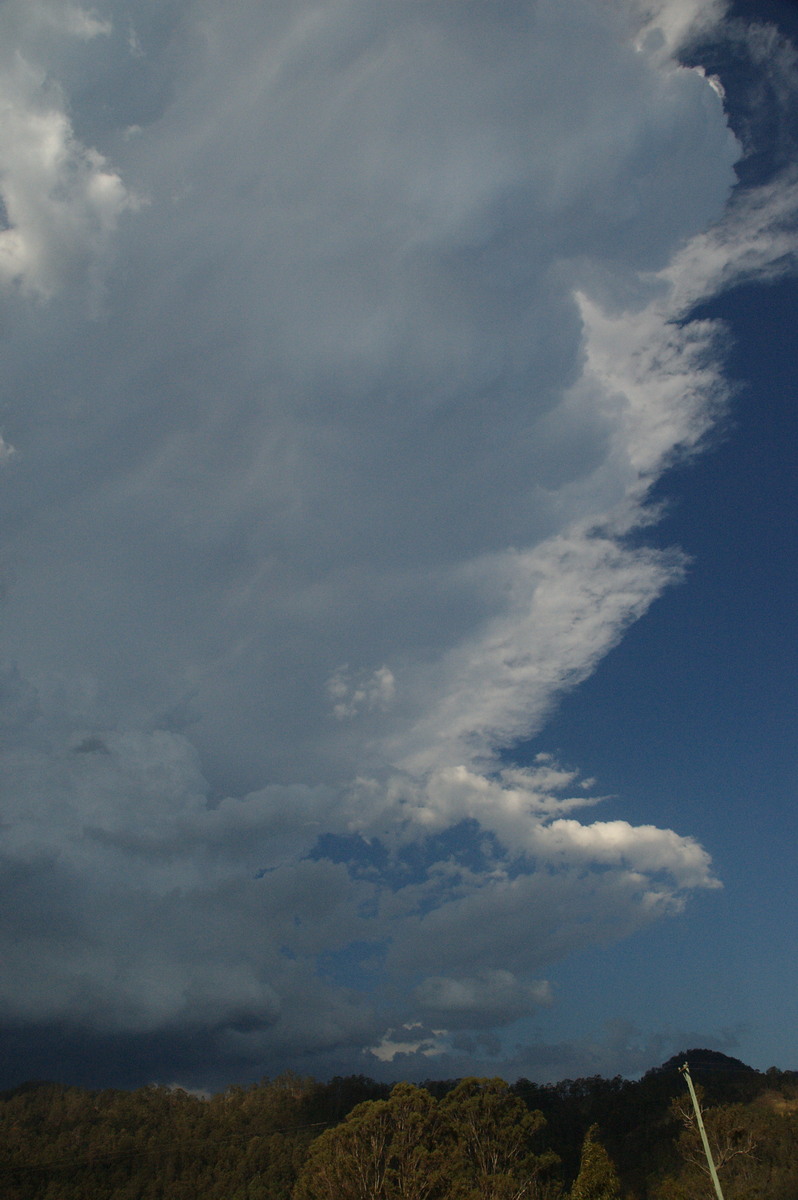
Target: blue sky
x: 714, y: 742
x: 398, y: 493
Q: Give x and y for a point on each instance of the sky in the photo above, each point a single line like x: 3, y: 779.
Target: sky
x: 398, y: 504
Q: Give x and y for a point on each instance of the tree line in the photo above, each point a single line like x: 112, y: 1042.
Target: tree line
x: 352, y: 1138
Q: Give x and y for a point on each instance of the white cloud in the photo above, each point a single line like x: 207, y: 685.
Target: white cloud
x: 383, y: 376
x: 525, y: 810
x: 755, y: 241
x: 62, y: 200
x: 676, y: 21
x: 563, y: 605
x: 412, y: 1038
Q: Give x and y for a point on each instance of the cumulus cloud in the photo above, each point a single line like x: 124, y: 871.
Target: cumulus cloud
x: 61, y: 199
x: 336, y: 486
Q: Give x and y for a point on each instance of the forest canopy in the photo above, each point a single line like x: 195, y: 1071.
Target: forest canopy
x: 352, y: 1138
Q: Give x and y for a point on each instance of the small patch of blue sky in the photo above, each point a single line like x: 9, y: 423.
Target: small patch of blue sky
x: 358, y: 965
x: 763, y: 116
x: 465, y: 845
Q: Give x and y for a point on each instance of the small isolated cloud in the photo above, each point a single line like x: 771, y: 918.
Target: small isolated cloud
x: 411, y: 1039
x: 326, y: 504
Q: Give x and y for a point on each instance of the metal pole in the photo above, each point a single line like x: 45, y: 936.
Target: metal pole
x: 685, y: 1070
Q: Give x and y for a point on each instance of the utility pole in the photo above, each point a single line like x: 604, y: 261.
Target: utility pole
x: 685, y: 1070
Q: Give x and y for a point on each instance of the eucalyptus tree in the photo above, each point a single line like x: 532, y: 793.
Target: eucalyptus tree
x: 597, y: 1178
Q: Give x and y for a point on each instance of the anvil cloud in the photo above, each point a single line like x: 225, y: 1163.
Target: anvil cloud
x: 343, y: 345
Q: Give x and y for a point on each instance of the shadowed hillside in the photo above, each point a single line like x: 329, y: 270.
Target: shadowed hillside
x: 354, y: 1139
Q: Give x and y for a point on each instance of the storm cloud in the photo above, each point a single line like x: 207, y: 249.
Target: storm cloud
x: 343, y: 345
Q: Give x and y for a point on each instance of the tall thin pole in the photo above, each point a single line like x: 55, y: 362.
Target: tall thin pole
x: 685, y: 1070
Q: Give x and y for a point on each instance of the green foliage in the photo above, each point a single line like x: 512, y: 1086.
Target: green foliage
x: 354, y: 1139
x: 597, y: 1178
x: 154, y: 1143
x: 385, y: 1150
x: 753, y: 1148
x: 493, y: 1136
x: 477, y: 1142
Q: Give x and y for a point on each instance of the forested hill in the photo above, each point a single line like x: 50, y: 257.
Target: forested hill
x: 355, y: 1139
